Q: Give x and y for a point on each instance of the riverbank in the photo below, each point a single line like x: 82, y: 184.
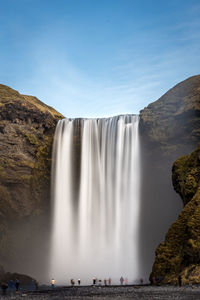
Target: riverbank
x: 110, y: 292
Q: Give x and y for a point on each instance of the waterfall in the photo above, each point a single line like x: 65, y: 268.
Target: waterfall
x: 95, y: 200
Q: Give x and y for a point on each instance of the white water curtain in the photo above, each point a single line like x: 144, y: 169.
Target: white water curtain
x: 99, y: 236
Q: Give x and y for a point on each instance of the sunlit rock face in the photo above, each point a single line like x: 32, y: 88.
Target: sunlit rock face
x: 26, y: 135
x: 169, y: 128
x: 172, y: 123
x: 96, y: 208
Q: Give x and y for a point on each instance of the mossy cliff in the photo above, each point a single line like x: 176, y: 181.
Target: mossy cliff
x: 169, y: 128
x: 26, y: 133
x: 179, y: 254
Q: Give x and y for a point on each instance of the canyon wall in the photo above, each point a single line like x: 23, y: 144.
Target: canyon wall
x: 26, y: 133
x: 169, y: 128
x: 179, y: 254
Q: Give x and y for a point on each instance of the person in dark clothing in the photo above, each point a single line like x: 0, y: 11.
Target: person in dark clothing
x: 121, y: 280
x: 79, y: 281
x: 4, y: 287
x: 32, y: 285
x: 17, y: 285
x: 179, y: 280
x: 154, y: 280
x: 11, y: 285
x: 36, y: 284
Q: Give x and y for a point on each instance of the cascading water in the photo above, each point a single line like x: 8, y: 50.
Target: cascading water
x: 95, y: 199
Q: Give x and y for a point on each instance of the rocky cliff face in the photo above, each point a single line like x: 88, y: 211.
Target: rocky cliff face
x: 172, y: 123
x: 26, y: 133
x: 179, y: 254
x: 169, y: 128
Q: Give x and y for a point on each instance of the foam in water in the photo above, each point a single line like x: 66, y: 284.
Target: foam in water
x: 96, y: 214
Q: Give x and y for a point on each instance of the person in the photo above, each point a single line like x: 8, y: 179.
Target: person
x: 4, y: 287
x: 36, y: 284
x: 52, y: 283
x: 17, y: 285
x: 109, y: 281
x: 94, y: 281
x: 79, y: 281
x: 121, y: 280
x: 32, y: 284
x: 72, y: 282
x: 105, y: 282
x: 154, y: 280
x: 99, y: 281
x: 179, y: 280
x: 11, y: 285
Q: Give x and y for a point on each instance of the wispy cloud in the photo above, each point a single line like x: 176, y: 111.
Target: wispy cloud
x: 142, y: 68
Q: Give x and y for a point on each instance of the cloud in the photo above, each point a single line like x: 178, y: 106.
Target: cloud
x: 139, y: 71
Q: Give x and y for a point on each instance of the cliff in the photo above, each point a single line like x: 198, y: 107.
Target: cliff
x: 172, y: 123
x: 26, y: 133
x: 169, y: 128
x: 179, y: 254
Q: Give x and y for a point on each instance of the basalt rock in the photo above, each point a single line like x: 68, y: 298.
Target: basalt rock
x: 172, y: 123
x: 179, y: 254
x: 26, y: 133
x: 169, y: 128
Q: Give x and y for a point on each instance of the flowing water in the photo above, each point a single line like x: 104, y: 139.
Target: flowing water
x: 95, y: 199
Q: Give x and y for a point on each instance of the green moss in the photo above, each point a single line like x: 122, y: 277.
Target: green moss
x: 32, y: 138
x: 4, y: 163
x: 43, y: 156
x: 25, y: 177
x: 181, y: 248
x: 26, y: 163
x: 185, y: 176
x: 2, y: 172
x: 41, y: 173
x: 42, y: 107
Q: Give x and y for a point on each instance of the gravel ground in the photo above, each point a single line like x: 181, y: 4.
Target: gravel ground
x: 110, y: 293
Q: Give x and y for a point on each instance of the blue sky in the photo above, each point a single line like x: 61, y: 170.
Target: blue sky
x: 97, y: 58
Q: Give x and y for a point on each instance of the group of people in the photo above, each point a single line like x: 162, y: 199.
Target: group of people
x: 95, y: 281
x: 106, y: 282
x: 12, y: 285
x: 123, y: 281
x: 15, y: 285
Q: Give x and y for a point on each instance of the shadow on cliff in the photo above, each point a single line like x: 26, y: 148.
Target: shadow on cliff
x: 169, y: 128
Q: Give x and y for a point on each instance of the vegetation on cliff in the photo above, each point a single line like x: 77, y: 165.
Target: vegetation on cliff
x: 180, y: 253
x: 169, y: 128
x: 26, y: 133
